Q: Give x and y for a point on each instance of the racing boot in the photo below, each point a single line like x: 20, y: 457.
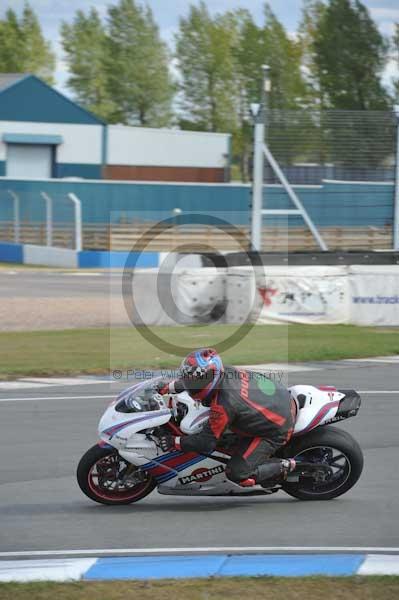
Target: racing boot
x: 274, y: 471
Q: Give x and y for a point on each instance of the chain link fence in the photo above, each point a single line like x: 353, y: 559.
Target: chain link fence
x: 343, y: 145
x: 342, y: 166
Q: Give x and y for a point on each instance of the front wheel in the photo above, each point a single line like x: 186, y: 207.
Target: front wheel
x: 332, y: 447
x: 105, y: 477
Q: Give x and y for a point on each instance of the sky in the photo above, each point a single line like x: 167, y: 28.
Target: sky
x: 167, y: 13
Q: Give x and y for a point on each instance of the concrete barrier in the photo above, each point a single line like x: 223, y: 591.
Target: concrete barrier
x: 49, y: 256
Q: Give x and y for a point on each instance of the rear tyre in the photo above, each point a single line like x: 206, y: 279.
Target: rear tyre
x: 105, y: 477
x: 334, y: 447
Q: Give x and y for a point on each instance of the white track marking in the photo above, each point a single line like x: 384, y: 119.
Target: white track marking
x: 19, y: 385
x: 37, y: 399
x: 34, y: 382
x: 378, y: 392
x: 201, y: 550
x: 65, y: 380
x: 377, y: 359
x: 84, y: 274
x: 102, y: 397
x: 380, y: 564
x: 280, y: 367
x: 66, y: 569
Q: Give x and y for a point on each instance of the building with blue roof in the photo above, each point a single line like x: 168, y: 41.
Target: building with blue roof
x: 45, y: 135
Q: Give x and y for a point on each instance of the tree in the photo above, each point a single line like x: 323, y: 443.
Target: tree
x: 268, y: 44
x: 39, y: 58
x: 84, y: 43
x: 23, y: 49
x: 396, y: 48
x: 136, y: 66
x: 284, y: 56
x: 207, y: 67
x: 350, y: 54
x: 220, y: 60
x: 311, y: 14
x: 11, y: 54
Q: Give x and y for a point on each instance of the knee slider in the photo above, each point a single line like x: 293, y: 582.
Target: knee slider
x: 235, y: 474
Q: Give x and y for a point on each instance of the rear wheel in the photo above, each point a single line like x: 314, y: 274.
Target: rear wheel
x: 105, y: 477
x: 335, y: 449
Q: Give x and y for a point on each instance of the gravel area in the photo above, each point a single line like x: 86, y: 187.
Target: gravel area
x: 18, y: 314
x: 38, y: 300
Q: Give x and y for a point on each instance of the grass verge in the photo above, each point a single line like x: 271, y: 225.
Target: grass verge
x: 76, y: 351
x: 272, y: 588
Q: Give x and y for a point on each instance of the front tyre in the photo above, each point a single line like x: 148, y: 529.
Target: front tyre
x: 105, y: 477
x: 336, y: 449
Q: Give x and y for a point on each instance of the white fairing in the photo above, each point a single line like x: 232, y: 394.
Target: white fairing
x: 121, y: 429
x: 196, y: 416
x: 319, y: 406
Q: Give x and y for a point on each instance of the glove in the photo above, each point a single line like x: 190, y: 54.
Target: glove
x: 167, y: 442
x: 169, y: 387
x: 161, y: 387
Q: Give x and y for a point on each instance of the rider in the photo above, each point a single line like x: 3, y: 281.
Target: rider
x: 260, y: 411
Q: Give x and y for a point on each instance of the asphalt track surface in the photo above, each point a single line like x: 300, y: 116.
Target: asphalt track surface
x: 42, y: 508
x: 34, y: 283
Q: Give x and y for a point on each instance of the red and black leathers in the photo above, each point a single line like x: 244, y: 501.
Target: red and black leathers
x: 256, y: 408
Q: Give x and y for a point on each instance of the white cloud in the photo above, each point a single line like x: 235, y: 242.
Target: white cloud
x: 385, y: 14
x: 385, y: 18
x: 391, y: 73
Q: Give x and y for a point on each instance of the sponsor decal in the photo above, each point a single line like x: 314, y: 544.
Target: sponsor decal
x: 335, y: 419
x: 376, y: 299
x: 267, y: 293
x: 267, y: 386
x: 244, y: 384
x: 201, y: 475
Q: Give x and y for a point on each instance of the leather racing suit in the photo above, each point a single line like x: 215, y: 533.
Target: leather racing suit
x: 259, y: 410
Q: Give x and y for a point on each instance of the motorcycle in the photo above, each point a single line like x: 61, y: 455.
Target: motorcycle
x: 127, y: 463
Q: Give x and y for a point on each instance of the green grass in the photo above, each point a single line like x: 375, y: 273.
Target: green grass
x: 13, y: 266
x: 99, y: 350
x: 251, y: 588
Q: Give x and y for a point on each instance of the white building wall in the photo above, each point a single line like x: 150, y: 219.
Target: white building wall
x: 137, y: 146
x: 82, y: 144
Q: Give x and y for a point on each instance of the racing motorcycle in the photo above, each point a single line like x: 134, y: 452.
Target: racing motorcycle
x: 127, y: 464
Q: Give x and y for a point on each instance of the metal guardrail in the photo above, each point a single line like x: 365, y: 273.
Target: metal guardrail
x: 274, y: 239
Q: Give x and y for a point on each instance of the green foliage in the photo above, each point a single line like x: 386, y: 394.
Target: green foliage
x: 23, y: 48
x: 204, y: 51
x: 396, y: 50
x: 84, y: 44
x: 119, y: 69
x: 220, y: 60
x: 312, y: 13
x: 284, y: 56
x: 350, y: 54
x: 137, y: 66
x: 268, y: 44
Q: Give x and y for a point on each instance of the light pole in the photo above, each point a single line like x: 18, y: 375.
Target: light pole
x: 396, y: 195
x: 259, y: 114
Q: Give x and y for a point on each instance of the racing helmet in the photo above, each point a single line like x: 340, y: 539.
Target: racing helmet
x: 201, y: 372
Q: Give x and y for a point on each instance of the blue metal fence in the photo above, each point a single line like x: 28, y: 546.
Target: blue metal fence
x: 331, y: 204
